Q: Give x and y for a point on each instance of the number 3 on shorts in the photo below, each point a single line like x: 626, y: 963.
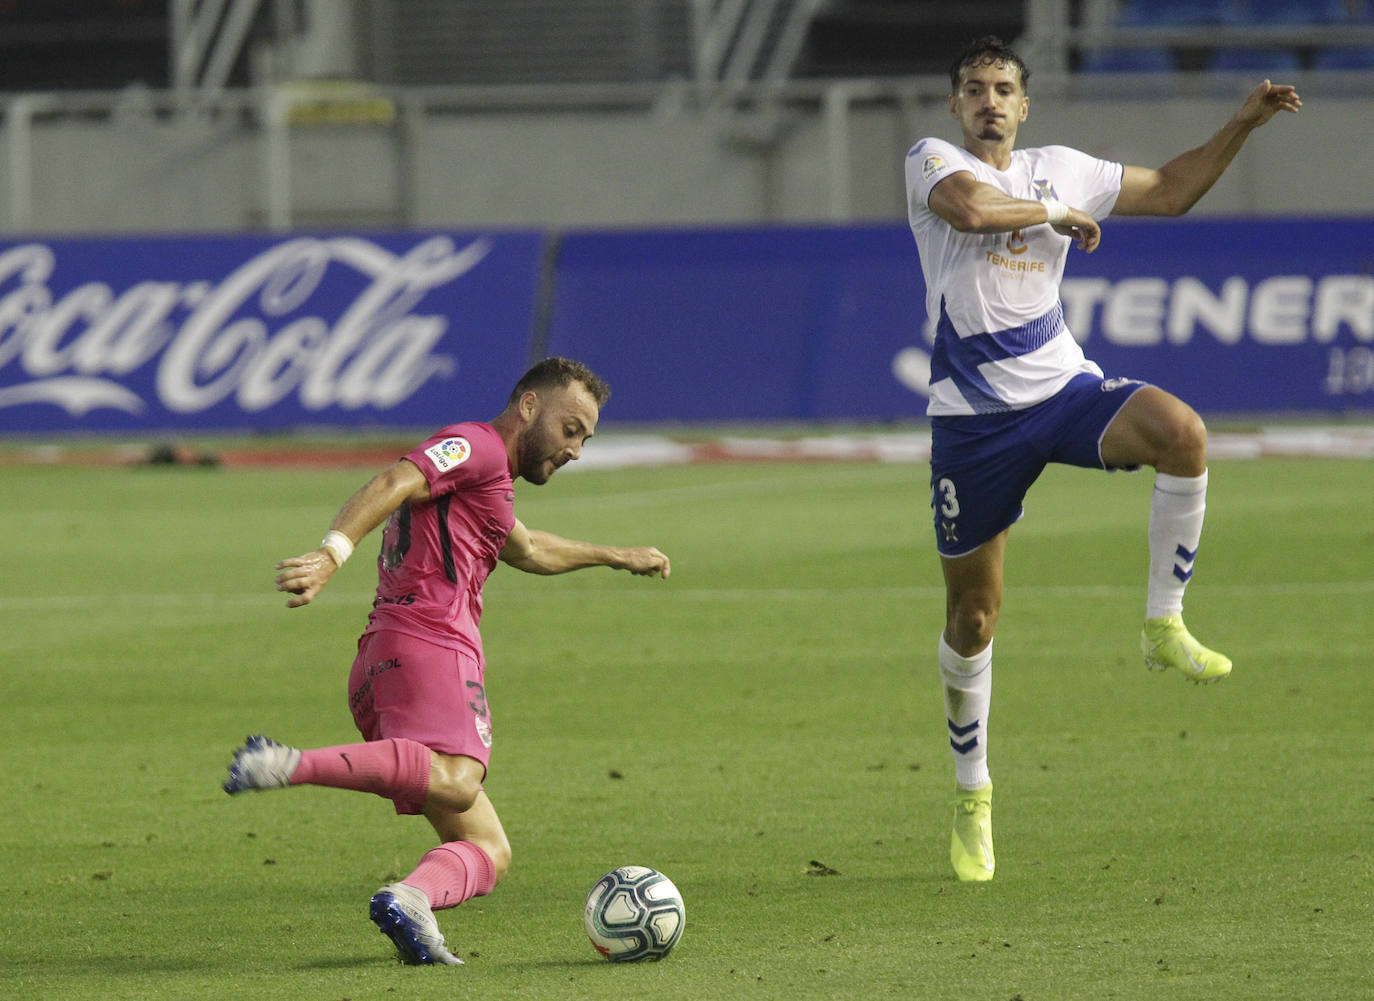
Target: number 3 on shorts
x: 946, y: 499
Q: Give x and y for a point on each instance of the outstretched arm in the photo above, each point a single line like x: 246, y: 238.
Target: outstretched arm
x: 303, y: 576
x: 971, y: 206
x: 1176, y: 187
x: 543, y: 553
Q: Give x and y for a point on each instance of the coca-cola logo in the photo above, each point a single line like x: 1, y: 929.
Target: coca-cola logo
x: 256, y: 335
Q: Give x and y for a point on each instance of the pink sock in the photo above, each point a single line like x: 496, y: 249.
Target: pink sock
x: 393, y: 769
x: 453, y: 872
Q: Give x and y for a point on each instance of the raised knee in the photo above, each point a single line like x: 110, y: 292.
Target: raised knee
x: 500, y: 860
x: 454, y: 782
x: 1192, y: 437
x: 1185, y: 447
x: 457, y: 795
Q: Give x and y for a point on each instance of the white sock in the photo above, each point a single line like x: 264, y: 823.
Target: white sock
x: 1176, y: 511
x: 968, y: 694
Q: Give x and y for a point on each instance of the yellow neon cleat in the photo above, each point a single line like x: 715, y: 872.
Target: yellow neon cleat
x: 970, y: 846
x: 1166, y: 643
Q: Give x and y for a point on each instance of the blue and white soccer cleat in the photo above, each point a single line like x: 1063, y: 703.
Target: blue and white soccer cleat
x: 403, y: 914
x: 261, y: 763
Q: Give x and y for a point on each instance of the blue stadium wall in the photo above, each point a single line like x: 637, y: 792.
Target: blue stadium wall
x: 825, y: 323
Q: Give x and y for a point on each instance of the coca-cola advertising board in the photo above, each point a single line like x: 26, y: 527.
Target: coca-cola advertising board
x: 411, y: 329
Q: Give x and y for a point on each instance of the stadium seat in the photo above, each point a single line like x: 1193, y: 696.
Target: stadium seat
x: 1260, y: 60
x: 1162, y: 13
x: 1343, y: 58
x: 1288, y: 12
x: 1145, y: 60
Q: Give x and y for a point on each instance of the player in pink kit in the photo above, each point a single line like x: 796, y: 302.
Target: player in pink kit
x: 417, y: 688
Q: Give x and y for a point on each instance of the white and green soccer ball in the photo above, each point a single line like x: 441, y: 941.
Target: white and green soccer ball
x: 634, y: 913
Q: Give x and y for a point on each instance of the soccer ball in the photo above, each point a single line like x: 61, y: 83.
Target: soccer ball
x: 634, y: 913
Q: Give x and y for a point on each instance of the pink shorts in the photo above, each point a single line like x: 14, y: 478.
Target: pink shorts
x: 403, y: 686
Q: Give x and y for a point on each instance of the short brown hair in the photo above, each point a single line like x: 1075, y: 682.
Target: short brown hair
x: 561, y: 372
x: 989, y: 50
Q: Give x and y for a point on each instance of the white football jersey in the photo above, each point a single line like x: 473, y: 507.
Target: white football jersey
x: 1001, y: 343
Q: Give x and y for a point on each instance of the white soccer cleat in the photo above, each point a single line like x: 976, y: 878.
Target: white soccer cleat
x: 403, y: 914
x: 261, y: 763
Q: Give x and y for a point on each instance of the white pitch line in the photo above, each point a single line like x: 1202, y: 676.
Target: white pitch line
x: 667, y: 592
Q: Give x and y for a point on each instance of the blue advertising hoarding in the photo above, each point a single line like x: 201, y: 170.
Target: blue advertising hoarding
x: 742, y: 324
x: 1233, y: 316
x: 829, y: 323
x: 724, y: 324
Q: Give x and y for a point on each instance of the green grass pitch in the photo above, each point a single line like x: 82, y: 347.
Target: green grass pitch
x: 774, y: 705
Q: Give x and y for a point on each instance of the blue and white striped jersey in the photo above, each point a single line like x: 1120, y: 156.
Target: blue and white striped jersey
x: 1000, y: 342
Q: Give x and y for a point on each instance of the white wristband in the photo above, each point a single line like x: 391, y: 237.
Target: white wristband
x: 338, y: 546
x: 1056, y: 209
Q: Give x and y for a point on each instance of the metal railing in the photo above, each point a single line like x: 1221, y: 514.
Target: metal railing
x: 745, y: 54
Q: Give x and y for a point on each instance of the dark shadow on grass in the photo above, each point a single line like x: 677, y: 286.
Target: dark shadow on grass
x: 135, y: 964
x: 346, y: 962
x: 592, y: 963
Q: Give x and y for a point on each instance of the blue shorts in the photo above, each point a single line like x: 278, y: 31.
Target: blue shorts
x: 981, y: 466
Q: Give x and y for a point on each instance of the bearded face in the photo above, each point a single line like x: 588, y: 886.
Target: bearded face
x: 990, y: 104
x: 539, y: 454
x: 563, y: 420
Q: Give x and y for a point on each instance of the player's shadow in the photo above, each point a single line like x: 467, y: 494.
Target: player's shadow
x: 592, y: 963
x: 570, y: 965
x: 346, y: 962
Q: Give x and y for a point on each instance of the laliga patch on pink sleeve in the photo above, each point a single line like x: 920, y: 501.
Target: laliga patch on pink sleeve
x: 449, y: 453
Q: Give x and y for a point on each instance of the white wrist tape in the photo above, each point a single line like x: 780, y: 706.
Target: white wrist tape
x: 338, y: 546
x: 1057, y: 210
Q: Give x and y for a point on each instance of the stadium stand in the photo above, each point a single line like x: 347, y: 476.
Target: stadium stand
x: 1273, y: 36
x: 1308, y: 12
x: 1158, y: 13
x: 83, y: 44
x: 1269, y: 60
x: 1343, y: 58
x: 108, y: 44
x: 1154, y: 59
x: 900, y: 37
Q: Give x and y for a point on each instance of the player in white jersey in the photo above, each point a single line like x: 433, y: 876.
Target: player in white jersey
x: 1010, y: 389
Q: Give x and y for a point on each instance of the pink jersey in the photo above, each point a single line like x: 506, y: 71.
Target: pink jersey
x: 437, y: 555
